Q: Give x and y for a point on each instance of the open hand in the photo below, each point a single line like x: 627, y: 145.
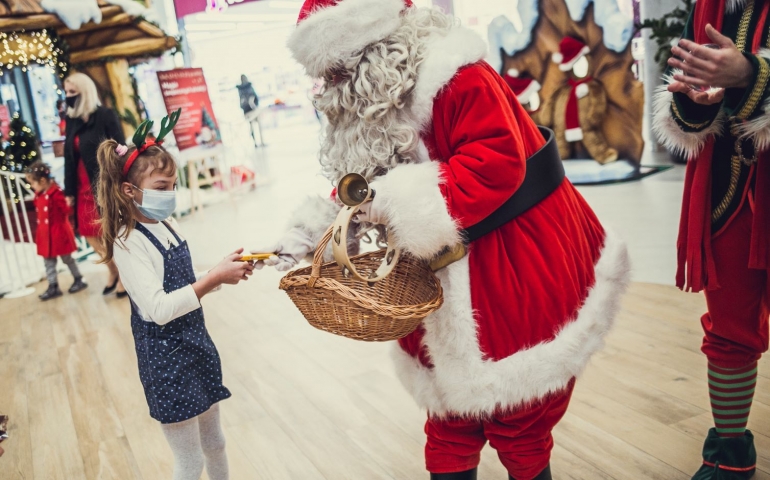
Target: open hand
x: 708, y: 97
x: 232, y: 270
x: 706, y: 67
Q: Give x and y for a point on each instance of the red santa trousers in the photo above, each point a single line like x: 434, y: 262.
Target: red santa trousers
x: 522, y: 438
x: 736, y: 325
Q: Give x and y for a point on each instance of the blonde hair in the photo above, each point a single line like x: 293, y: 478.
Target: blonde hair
x: 369, y: 130
x: 89, y: 96
x: 118, y: 209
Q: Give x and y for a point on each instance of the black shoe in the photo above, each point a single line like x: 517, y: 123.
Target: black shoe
x: 122, y: 294
x: 52, y: 292
x: 544, y: 475
x: 78, y: 285
x: 110, y: 288
x: 466, y: 475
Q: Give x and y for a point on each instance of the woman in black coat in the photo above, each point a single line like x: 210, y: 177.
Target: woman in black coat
x: 88, y: 124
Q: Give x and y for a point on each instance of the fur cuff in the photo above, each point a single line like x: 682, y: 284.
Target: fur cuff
x: 410, y: 199
x: 668, y: 132
x: 758, y: 129
x: 314, y: 217
x: 335, y: 33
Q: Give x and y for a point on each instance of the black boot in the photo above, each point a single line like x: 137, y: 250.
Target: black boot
x: 466, y: 475
x: 78, y: 285
x: 52, y: 292
x: 544, y: 475
x: 731, y: 458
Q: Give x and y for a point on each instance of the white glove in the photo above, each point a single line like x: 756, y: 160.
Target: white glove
x: 289, y: 251
x: 370, y: 213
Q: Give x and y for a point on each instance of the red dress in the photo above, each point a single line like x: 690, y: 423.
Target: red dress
x: 54, y: 236
x: 87, y: 212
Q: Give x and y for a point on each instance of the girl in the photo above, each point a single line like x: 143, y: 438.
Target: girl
x: 179, y: 365
x: 54, y: 236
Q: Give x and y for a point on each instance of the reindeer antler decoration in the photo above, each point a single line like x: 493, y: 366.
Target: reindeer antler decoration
x: 140, y: 137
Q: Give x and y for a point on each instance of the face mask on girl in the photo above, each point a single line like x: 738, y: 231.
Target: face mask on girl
x: 156, y: 204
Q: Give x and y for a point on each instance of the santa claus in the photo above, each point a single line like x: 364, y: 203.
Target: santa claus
x: 413, y: 107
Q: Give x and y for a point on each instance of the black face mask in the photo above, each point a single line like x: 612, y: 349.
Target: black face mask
x: 72, y: 100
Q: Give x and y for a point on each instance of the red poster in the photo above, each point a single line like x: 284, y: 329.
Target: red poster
x: 5, y: 122
x: 185, y: 88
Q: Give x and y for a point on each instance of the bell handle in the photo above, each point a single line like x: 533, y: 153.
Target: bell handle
x: 340, y: 249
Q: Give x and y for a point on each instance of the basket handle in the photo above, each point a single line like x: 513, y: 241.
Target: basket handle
x: 339, y: 238
x: 318, y: 257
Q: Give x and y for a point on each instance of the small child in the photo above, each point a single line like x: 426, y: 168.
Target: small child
x: 54, y: 237
x: 179, y: 365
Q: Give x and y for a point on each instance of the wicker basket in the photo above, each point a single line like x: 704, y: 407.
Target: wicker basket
x: 341, y: 304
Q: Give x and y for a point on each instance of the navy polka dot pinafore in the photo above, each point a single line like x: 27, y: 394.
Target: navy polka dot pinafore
x: 178, y: 363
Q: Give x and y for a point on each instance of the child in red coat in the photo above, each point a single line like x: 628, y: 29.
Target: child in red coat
x: 54, y: 237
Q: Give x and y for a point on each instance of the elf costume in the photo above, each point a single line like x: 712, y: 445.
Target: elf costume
x: 724, y: 235
x: 532, y: 301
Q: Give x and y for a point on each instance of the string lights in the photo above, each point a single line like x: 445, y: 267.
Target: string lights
x: 19, y: 49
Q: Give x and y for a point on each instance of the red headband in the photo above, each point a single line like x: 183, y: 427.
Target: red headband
x: 135, y: 154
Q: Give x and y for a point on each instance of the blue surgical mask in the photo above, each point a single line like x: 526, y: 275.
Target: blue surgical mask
x: 157, y: 204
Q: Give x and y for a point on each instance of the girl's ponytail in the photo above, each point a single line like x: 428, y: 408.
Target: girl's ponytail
x: 116, y: 207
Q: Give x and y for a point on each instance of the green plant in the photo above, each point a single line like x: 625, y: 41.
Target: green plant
x: 667, y: 28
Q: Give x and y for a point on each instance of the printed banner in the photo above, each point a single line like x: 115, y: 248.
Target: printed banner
x: 185, y: 88
x: 188, y: 7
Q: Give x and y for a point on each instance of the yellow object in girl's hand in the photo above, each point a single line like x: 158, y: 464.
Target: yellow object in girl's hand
x: 255, y: 257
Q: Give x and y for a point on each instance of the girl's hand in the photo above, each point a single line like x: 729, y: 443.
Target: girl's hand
x: 709, y: 97
x: 70, y: 201
x: 706, y: 67
x: 232, y: 270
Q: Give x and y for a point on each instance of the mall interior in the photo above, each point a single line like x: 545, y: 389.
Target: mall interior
x: 570, y: 325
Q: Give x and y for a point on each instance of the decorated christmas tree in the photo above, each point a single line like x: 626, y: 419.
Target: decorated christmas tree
x: 22, y: 148
x: 208, y: 122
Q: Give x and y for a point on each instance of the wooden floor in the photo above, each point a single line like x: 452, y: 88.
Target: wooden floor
x: 308, y: 405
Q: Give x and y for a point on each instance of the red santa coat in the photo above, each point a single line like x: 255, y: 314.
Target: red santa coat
x: 529, y: 305
x: 54, y: 235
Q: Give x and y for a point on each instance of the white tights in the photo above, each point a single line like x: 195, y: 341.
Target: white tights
x: 194, y: 439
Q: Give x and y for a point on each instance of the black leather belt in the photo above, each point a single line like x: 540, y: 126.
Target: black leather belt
x: 545, y: 172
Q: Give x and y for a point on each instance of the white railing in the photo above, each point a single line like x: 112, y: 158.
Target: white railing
x: 20, y: 266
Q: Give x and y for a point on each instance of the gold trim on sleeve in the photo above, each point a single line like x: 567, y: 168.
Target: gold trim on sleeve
x: 757, y: 91
x: 735, y: 175
x: 678, y: 116
x: 743, y: 26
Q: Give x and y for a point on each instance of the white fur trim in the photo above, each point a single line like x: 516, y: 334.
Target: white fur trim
x: 557, y: 57
x: 758, y: 129
x: 512, y: 72
x: 566, y: 67
x: 667, y: 130
x: 462, y: 382
x: 733, y: 5
x: 532, y: 89
x: 573, y: 134
x: 410, y: 199
x: 314, y: 217
x: 335, y: 33
x: 445, y: 55
x: 581, y: 90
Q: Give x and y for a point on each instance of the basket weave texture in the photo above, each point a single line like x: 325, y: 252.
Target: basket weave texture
x: 389, y: 309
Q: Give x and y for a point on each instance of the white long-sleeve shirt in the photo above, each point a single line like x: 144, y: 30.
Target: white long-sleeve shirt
x: 141, y: 270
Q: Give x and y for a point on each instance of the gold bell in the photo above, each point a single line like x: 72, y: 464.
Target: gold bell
x: 353, y: 190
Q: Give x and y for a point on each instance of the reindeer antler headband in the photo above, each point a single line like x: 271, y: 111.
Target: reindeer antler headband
x: 140, y: 137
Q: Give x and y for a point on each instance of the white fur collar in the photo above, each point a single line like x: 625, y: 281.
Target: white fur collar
x: 446, y: 55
